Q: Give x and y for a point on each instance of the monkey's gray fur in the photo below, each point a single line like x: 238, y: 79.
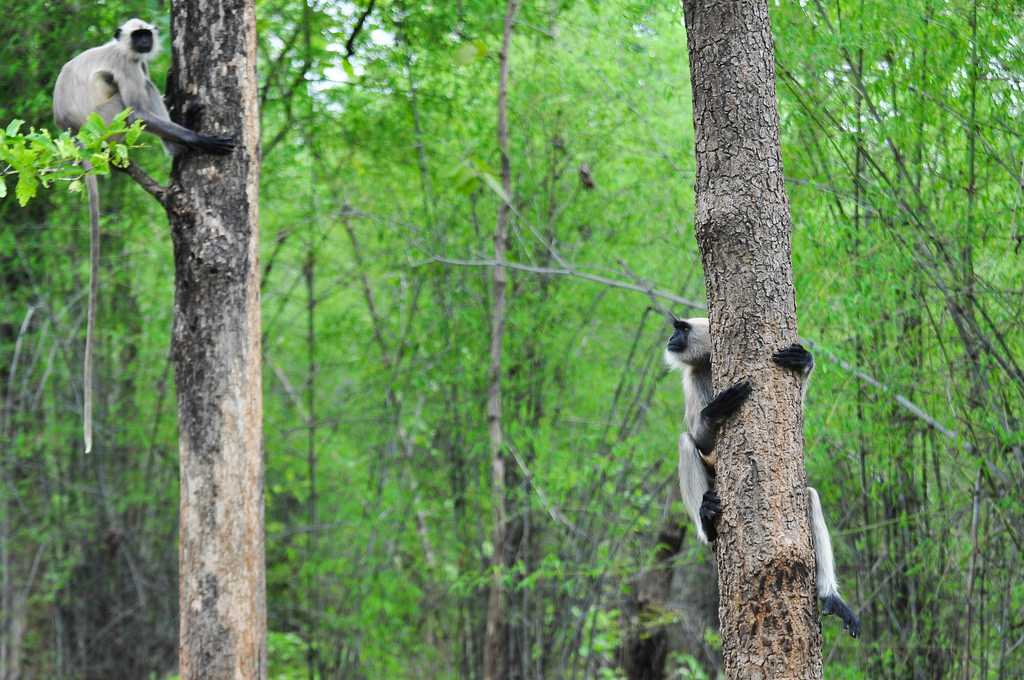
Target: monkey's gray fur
x: 111, y: 77
x: 689, y: 350
x: 106, y: 80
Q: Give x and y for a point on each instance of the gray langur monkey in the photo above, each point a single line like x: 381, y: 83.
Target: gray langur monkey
x: 107, y: 80
x: 689, y: 350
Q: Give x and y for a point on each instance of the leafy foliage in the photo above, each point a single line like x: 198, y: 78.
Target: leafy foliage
x: 36, y: 158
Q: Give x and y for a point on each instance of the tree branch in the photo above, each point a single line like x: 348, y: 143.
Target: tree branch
x: 898, y: 398
x: 568, y: 270
x: 350, y: 44
x: 150, y: 185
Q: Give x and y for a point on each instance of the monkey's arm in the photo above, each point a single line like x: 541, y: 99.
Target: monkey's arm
x: 176, y: 134
x: 704, y: 428
x: 699, y: 499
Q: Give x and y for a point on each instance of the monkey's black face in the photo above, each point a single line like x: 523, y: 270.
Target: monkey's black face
x: 677, y: 343
x: 142, y: 40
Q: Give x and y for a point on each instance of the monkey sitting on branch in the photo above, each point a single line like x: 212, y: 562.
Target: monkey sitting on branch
x: 107, y: 80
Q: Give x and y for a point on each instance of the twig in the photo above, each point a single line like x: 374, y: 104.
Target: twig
x: 567, y: 270
x: 551, y: 508
x: 150, y: 185
x: 899, y: 398
x: 350, y: 44
x: 378, y: 323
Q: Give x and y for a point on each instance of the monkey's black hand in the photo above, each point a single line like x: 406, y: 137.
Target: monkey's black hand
x: 834, y: 605
x: 710, y: 509
x: 727, y: 402
x: 795, y: 358
x: 218, y: 146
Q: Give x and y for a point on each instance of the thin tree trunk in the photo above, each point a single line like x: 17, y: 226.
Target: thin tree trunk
x: 965, y: 670
x: 212, y: 206
x: 312, y: 516
x: 766, y: 565
x: 494, y: 643
x: 645, y: 645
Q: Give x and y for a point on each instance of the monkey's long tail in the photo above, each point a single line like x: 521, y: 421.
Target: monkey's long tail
x: 90, y: 328
x: 828, y: 585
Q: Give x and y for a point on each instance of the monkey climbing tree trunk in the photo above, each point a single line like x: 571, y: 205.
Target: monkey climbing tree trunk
x: 212, y: 206
x: 765, y: 561
x: 494, y: 638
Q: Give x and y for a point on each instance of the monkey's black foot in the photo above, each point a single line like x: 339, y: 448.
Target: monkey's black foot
x: 218, y: 146
x: 794, y: 357
x: 727, y: 402
x: 710, y: 509
x: 833, y: 604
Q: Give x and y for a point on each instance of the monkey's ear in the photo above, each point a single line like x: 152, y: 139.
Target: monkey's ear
x: 117, y: 34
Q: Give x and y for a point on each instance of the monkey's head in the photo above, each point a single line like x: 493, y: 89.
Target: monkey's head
x: 138, y: 38
x: 690, y: 344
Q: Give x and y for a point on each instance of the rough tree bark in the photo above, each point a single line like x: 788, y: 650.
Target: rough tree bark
x: 766, y: 574
x: 212, y: 207
x: 495, y: 635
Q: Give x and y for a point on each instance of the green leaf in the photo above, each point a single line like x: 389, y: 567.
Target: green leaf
x: 92, y: 131
x: 470, y: 51
x: 121, y: 119
x: 75, y: 187
x: 120, y: 155
x: 100, y: 163
x: 349, y: 71
x: 26, y: 189
x: 133, y: 133
x: 13, y: 126
x: 3, y: 188
x: 66, y: 148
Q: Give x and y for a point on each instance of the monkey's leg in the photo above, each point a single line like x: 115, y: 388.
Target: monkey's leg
x: 828, y: 586
x: 699, y: 499
x: 710, y: 509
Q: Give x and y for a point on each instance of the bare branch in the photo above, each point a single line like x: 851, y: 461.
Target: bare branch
x: 568, y: 270
x: 150, y: 185
x: 557, y: 515
x: 898, y: 398
x: 350, y: 44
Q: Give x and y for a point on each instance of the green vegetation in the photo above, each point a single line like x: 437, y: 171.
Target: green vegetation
x: 903, y: 152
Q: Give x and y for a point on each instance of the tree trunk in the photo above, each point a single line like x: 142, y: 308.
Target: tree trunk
x: 765, y: 562
x: 212, y: 206
x: 645, y: 644
x: 495, y: 636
